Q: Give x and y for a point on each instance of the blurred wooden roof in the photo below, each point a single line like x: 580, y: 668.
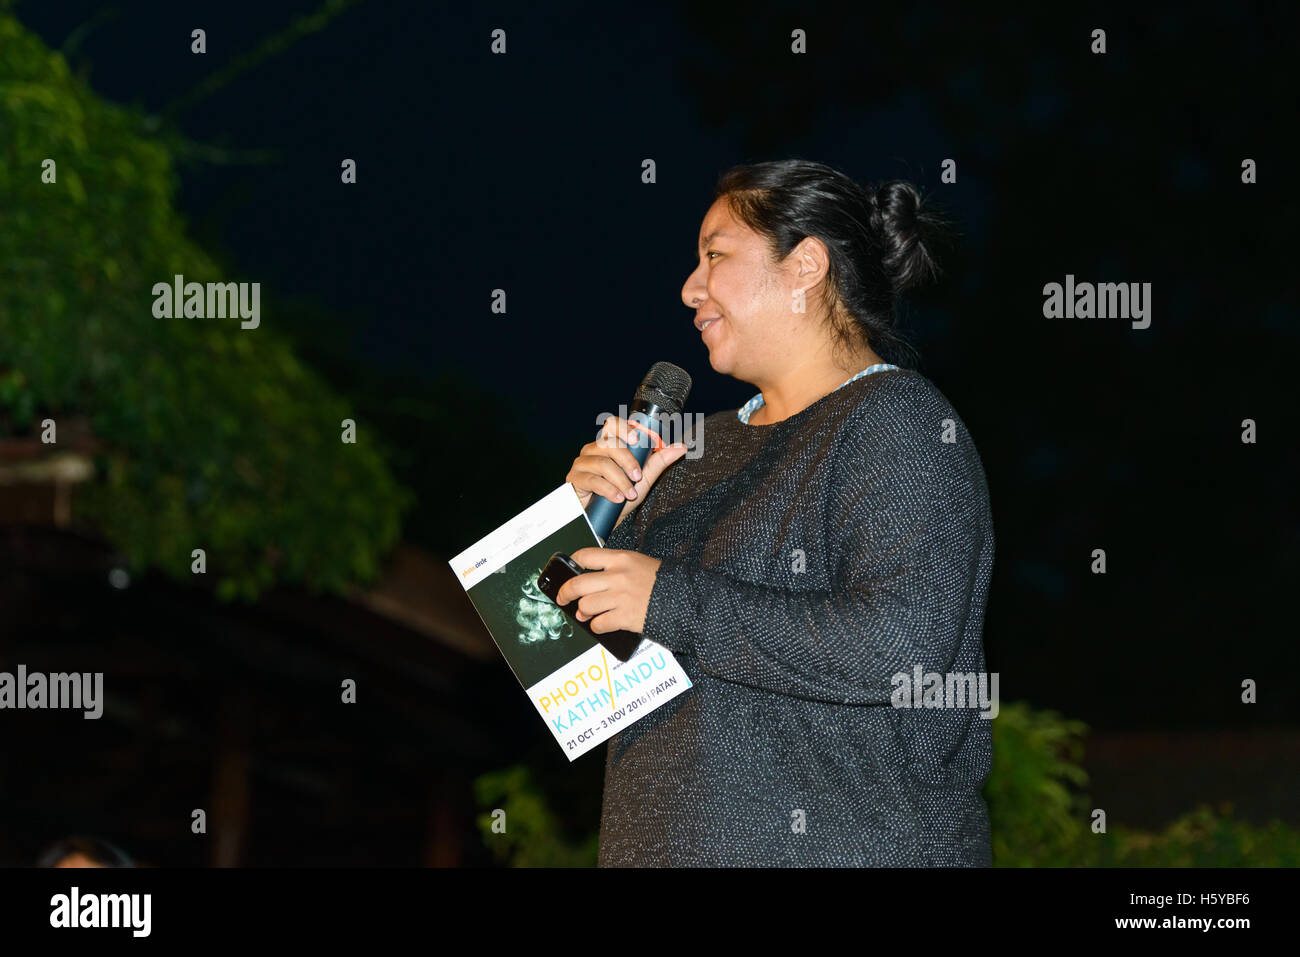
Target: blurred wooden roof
x: 422, y: 592
x: 417, y: 590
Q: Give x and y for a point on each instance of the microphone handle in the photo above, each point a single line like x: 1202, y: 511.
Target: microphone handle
x: 601, y: 512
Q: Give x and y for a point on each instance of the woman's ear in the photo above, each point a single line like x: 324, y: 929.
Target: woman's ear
x: 812, y: 255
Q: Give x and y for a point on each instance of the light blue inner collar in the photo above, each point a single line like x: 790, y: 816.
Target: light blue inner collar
x: 756, y: 403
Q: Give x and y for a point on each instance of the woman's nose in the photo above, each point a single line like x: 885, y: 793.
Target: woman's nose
x: 694, y: 291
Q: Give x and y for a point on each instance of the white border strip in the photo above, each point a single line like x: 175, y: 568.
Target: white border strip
x: 532, y: 525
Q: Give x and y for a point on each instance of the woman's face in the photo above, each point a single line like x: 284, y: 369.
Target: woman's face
x: 748, y: 299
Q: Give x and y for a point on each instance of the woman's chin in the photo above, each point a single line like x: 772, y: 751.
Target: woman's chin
x: 719, y: 360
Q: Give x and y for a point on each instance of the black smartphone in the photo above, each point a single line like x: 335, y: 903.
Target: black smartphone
x: 558, y: 570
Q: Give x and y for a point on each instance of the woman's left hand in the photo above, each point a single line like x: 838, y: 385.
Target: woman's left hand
x: 615, y: 593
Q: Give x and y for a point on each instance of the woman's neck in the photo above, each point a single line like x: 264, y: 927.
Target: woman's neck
x: 800, y: 386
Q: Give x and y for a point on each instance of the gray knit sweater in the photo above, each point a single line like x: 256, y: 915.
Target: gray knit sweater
x: 804, y: 565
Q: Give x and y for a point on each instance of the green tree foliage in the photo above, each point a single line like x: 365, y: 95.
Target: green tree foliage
x: 1039, y: 815
x: 216, y: 437
x: 1033, y: 788
x: 532, y: 835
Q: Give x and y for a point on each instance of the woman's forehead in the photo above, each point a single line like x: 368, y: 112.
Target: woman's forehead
x: 719, y: 223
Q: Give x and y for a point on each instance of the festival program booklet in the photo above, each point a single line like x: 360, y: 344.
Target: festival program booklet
x: 583, y: 693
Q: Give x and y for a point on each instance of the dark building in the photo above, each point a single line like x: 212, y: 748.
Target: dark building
x: 237, y: 709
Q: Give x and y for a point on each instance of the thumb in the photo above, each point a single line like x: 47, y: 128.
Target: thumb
x: 662, y: 458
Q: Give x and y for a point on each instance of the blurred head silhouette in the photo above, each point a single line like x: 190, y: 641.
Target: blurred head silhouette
x: 83, y: 852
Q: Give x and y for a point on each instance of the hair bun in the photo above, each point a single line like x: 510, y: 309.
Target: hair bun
x: 909, y: 231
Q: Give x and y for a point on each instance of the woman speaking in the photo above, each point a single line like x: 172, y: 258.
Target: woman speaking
x: 831, y: 543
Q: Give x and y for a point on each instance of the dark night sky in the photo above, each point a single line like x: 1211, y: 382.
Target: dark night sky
x: 474, y: 172
x: 523, y: 172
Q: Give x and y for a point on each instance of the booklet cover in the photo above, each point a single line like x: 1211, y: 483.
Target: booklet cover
x: 583, y: 693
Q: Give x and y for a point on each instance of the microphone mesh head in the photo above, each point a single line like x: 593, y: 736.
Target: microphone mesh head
x: 666, y: 386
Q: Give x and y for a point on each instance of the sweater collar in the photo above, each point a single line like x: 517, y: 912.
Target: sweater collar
x: 757, y: 402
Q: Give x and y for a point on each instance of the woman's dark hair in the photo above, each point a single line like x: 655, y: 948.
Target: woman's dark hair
x: 100, y: 851
x: 881, y: 240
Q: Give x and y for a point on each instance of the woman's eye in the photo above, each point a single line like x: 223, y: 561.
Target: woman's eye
x: 712, y: 253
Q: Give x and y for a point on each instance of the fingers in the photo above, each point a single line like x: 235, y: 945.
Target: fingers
x: 593, y: 558
x: 607, y: 467
x: 603, y: 624
x: 614, y: 487
x: 609, y: 470
x: 595, y: 604
x: 613, y: 443
x: 600, y: 563
x: 578, y: 587
x: 571, y: 590
x: 660, y: 459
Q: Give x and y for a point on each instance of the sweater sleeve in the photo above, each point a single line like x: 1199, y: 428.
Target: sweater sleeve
x: 908, y: 515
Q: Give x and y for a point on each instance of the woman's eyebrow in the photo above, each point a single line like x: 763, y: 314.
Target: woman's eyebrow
x: 709, y: 238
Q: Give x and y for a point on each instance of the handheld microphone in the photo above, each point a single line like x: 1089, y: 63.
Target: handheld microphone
x: 663, y: 392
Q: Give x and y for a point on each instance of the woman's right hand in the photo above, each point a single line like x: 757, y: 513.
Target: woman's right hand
x: 607, y: 467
